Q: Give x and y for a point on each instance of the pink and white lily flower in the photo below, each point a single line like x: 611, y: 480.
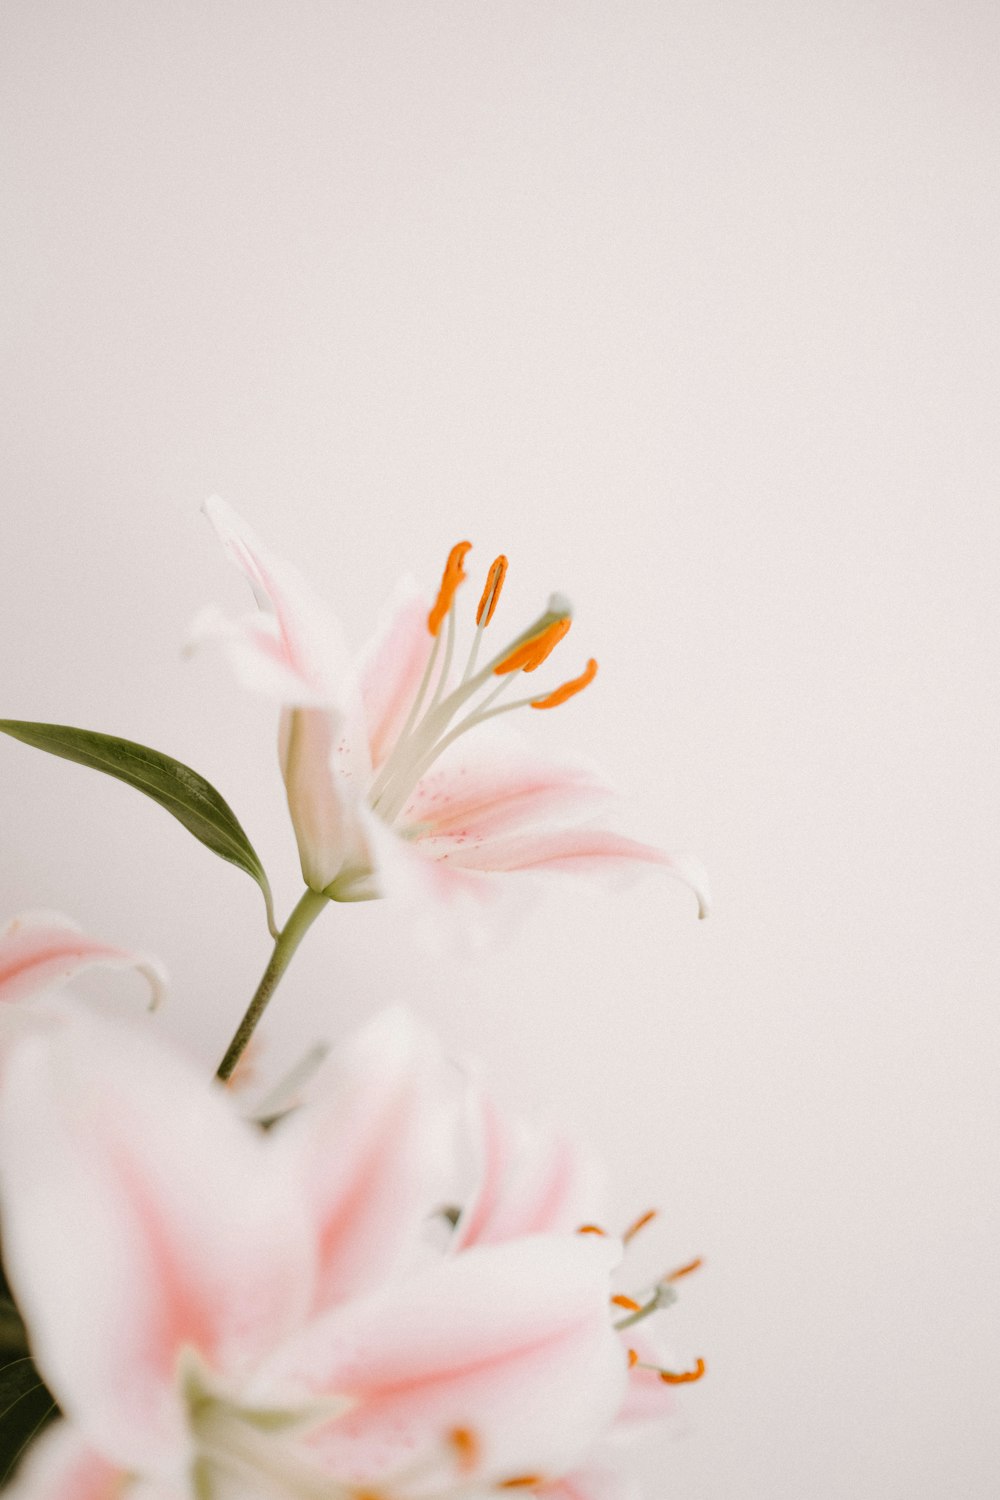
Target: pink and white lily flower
x: 40, y: 950
x: 534, y: 1180
x: 240, y: 1315
x: 389, y: 789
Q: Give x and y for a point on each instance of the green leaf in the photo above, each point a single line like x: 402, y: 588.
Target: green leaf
x: 26, y: 1406
x: 191, y: 799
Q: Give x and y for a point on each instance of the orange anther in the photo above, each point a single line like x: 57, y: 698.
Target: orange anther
x: 591, y: 1229
x: 568, y: 689
x: 640, y: 1223
x: 685, y: 1377
x: 491, y: 593
x: 626, y: 1302
x: 452, y: 576
x: 523, y: 1482
x: 692, y: 1265
x: 531, y: 653
x: 633, y: 1359
x: 466, y: 1446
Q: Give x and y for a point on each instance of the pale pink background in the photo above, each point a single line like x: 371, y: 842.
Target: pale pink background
x: 691, y: 309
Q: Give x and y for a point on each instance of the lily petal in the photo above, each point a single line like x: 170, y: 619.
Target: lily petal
x: 374, y: 1144
x: 512, y: 1343
x: 531, y: 1181
x: 392, y: 666
x: 292, y: 648
x: 320, y: 802
x: 589, y: 852
x: 130, y: 1234
x: 40, y: 949
x: 60, y: 1465
x: 492, y: 786
x: 597, y: 1481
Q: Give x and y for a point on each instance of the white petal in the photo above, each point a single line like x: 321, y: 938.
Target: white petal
x: 141, y: 1215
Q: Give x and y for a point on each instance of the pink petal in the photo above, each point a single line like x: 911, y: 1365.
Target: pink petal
x: 492, y: 786
x: 41, y: 949
x: 374, y: 1142
x: 512, y: 1343
x: 320, y: 802
x: 392, y: 667
x: 531, y: 1182
x: 292, y: 648
x: 141, y: 1215
x: 594, y: 852
x: 60, y: 1465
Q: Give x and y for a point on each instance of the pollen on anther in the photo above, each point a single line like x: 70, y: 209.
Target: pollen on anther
x: 522, y: 1482
x: 692, y: 1265
x: 491, y: 593
x: 531, y: 653
x: 568, y: 689
x: 683, y: 1377
x: 466, y: 1446
x: 629, y: 1303
x: 591, y: 1229
x: 633, y: 1358
x: 640, y: 1223
x: 453, y: 574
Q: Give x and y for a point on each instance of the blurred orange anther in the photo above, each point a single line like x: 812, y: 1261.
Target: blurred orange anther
x: 633, y: 1359
x: 684, y: 1377
x: 590, y: 1229
x: 491, y: 593
x: 640, y: 1223
x: 522, y: 1482
x: 531, y: 653
x: 692, y: 1265
x: 452, y: 576
x: 626, y: 1302
x: 466, y: 1446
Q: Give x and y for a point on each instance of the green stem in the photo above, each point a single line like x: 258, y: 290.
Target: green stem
x: 287, y: 941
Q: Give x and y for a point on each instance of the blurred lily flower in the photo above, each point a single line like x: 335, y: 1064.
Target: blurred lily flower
x: 389, y: 790
x: 530, y: 1180
x: 247, y: 1314
x: 40, y: 950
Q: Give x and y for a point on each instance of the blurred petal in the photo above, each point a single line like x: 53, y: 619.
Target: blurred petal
x: 392, y: 666
x: 141, y: 1215
x: 61, y: 1466
x: 40, y: 949
x: 531, y: 1181
x: 512, y: 1343
x: 374, y: 1142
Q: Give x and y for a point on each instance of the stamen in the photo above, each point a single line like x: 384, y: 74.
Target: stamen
x: 692, y: 1265
x: 633, y: 1359
x: 523, y: 1482
x: 629, y: 1303
x: 591, y: 1229
x: 684, y: 1377
x: 532, y: 652
x: 640, y: 1223
x: 568, y: 689
x: 466, y: 1446
x: 491, y: 593
x: 452, y: 576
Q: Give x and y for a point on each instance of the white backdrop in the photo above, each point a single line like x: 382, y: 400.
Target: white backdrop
x: 691, y: 309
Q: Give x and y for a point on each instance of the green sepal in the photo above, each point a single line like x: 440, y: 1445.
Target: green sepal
x: 191, y: 799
